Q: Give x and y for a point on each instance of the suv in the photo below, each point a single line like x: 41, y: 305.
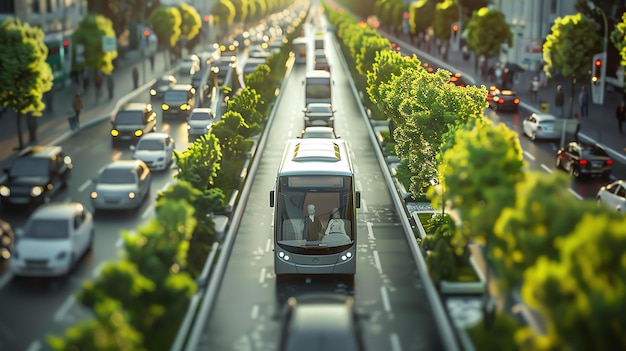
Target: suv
x: 133, y: 120
x: 179, y: 100
x: 35, y: 175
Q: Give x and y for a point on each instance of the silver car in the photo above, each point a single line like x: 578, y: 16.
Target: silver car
x: 541, y: 126
x: 156, y: 150
x: 199, y: 121
x: 121, y: 185
x: 613, y: 196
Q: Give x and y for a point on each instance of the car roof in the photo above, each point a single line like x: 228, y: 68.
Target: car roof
x: 202, y: 110
x: 40, y: 151
x: 122, y: 164
x: 155, y: 135
x: 184, y: 87
x: 318, y: 104
x: 135, y: 106
x: 57, y: 210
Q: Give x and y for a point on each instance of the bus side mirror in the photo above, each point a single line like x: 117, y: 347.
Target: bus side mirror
x: 358, y: 199
x: 271, y: 198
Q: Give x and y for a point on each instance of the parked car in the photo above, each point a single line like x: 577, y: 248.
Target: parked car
x: 613, y: 195
x: 328, y: 322
x: 319, y: 114
x: 162, y: 85
x: 540, y: 126
x: 121, y: 185
x: 156, y: 150
x: 55, y: 237
x: 179, y: 100
x: 36, y: 174
x: 132, y: 121
x: 199, y: 121
x: 318, y: 132
x: 7, y: 240
x: 503, y: 100
x: 579, y: 158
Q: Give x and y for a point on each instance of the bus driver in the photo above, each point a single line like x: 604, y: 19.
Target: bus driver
x: 314, y: 227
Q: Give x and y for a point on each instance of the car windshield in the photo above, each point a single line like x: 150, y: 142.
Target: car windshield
x: 594, y: 151
x: 318, y: 109
x: 30, y: 167
x: 318, y: 134
x: 129, y: 118
x: 150, y: 144
x: 200, y: 116
x: 116, y: 176
x: 47, y: 229
x: 175, y: 95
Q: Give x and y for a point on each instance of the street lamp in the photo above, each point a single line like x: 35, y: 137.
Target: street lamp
x: 593, y: 7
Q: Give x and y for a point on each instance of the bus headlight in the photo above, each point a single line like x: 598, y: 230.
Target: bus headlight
x: 36, y: 191
x: 346, y: 256
x: 131, y: 195
x: 283, y: 255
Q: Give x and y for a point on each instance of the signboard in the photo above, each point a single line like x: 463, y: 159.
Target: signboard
x: 532, y: 49
x: 109, y: 44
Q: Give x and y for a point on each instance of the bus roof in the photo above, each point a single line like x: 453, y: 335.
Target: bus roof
x: 316, y: 157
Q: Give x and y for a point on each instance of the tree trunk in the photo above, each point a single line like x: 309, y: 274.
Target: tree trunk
x: 19, y: 130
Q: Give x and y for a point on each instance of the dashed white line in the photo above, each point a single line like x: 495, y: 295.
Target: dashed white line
x: 255, y: 312
x: 575, y: 194
x: 268, y: 245
x: 377, y: 262
x: 65, y: 307
x: 395, y: 342
x: 34, y: 346
x: 364, y: 205
x: 529, y: 155
x: 546, y: 168
x: 84, y: 186
x: 165, y: 187
x: 385, y: 296
x: 262, y: 275
x: 370, y: 231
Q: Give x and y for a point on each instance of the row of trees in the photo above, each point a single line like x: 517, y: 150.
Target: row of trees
x: 566, y: 255
x: 139, y: 300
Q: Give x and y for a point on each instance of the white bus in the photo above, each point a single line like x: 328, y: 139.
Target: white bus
x: 300, y: 49
x: 315, y: 201
x: 317, y: 87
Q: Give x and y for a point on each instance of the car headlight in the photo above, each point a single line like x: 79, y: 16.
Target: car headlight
x: 131, y: 195
x: 61, y: 255
x: 115, y: 132
x: 138, y: 132
x: 5, y: 190
x: 165, y: 107
x: 184, y: 107
x: 94, y: 195
x: 36, y: 191
x: 153, y: 92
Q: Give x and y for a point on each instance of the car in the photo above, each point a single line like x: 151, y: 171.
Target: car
x: 318, y: 132
x: 7, y: 240
x: 121, y: 185
x: 613, y: 195
x: 178, y: 101
x: 503, y: 99
x: 35, y: 175
x: 320, y: 61
x: 132, y: 121
x: 322, y: 321
x: 54, y: 238
x: 540, y: 126
x: 156, y: 150
x: 200, y: 121
x: 580, y: 158
x: 189, y: 63
x: 230, y: 49
x: 319, y: 114
x: 162, y: 84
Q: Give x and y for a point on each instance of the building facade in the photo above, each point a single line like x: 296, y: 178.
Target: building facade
x: 52, y: 16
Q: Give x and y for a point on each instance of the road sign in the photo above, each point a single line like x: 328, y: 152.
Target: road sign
x: 109, y: 44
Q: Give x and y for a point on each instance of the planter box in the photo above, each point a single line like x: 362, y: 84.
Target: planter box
x: 465, y: 287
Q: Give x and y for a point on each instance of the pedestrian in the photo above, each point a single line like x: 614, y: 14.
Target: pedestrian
x: 559, y: 101
x: 135, y: 77
x: 578, y: 121
x: 534, y: 88
x: 110, y: 86
x: 152, y: 61
x: 583, y: 100
x: 620, y: 114
x: 78, y: 106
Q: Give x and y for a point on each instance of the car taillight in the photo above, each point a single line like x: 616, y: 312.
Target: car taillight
x: 609, y: 162
x: 583, y: 162
x: 516, y: 101
x: 501, y: 101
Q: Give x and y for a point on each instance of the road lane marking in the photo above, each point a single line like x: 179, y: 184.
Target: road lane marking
x: 385, y: 296
x: 395, y: 342
x: 529, y: 155
x: 546, y: 168
x: 255, y: 312
x: 377, y: 262
x: 5, y: 279
x: 364, y: 205
x: 268, y: 245
x: 34, y: 346
x: 262, y: 275
x: 575, y: 194
x: 84, y: 186
x: 165, y: 187
x: 370, y: 231
x: 119, y: 243
x: 64, y: 309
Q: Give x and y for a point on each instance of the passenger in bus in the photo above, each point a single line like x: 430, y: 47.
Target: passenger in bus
x: 336, y: 225
x: 314, y: 227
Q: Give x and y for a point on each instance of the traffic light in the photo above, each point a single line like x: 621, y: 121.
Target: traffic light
x: 455, y: 36
x: 66, y: 46
x: 598, y: 77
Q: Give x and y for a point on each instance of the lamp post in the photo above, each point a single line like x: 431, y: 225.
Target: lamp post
x: 593, y: 7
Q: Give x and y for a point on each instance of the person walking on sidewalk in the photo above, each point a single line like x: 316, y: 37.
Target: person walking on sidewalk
x: 135, y: 77
x: 620, y: 115
x: 583, y: 100
x: 559, y: 101
x: 110, y: 86
x: 78, y: 106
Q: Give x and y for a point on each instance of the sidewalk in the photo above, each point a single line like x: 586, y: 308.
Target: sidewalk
x: 600, y: 127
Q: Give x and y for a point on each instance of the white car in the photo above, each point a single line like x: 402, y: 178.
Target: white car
x: 200, y: 121
x: 540, y: 126
x: 55, y: 237
x: 613, y: 195
x: 156, y: 150
x: 121, y: 185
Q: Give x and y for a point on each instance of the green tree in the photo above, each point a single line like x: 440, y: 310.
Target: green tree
x: 371, y: 47
x: 618, y: 38
x: 190, y: 21
x: 230, y: 131
x: 421, y: 14
x: 25, y: 75
x: 259, y: 82
x: 224, y: 13
x: 581, y: 293
x: 446, y: 13
x: 468, y: 7
x: 487, y: 31
x: 199, y: 163
x: 166, y: 23
x: 246, y: 103
x: 562, y: 53
x: 89, y: 35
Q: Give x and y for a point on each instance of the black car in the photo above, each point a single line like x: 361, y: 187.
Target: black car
x: 132, y: 121
x: 162, y: 85
x: 178, y: 101
x: 579, y: 158
x: 35, y: 175
x: 503, y: 99
x: 319, y: 114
